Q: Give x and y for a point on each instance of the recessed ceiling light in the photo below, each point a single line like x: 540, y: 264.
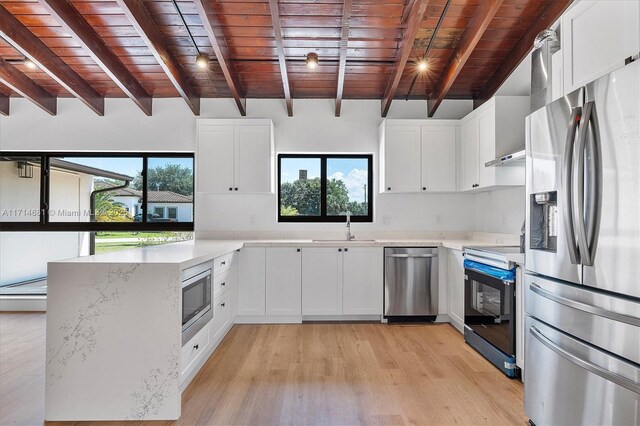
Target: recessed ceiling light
x: 29, y: 64
x: 202, y: 61
x: 423, y: 65
x: 312, y: 60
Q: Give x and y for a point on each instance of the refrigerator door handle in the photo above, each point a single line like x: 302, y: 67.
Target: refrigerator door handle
x: 567, y: 178
x: 586, y: 307
x: 589, y: 215
x: 605, y: 374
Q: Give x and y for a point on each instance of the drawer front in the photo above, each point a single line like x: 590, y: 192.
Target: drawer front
x: 221, y: 284
x: 221, y: 264
x: 195, y: 348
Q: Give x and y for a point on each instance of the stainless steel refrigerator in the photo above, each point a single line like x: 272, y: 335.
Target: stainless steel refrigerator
x: 582, y: 281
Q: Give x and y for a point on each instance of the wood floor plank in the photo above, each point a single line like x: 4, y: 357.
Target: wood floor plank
x: 309, y: 374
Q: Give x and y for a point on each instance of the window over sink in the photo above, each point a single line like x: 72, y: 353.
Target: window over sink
x: 324, y: 187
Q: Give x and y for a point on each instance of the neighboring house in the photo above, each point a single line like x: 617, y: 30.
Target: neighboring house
x: 162, y: 204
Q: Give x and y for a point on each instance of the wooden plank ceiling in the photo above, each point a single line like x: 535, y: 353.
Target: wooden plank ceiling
x: 367, y: 49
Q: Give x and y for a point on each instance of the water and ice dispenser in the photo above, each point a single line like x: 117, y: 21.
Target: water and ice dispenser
x: 544, y: 221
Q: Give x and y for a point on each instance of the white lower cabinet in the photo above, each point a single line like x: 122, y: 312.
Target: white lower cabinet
x: 283, y: 278
x: 195, y: 349
x: 322, y: 281
x: 455, y: 276
x: 251, y: 281
x: 362, y: 281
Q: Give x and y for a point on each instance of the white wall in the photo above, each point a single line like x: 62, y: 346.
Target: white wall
x: 500, y: 211
x: 313, y: 128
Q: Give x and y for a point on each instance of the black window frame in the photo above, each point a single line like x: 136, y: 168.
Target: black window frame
x: 45, y: 225
x: 323, y: 217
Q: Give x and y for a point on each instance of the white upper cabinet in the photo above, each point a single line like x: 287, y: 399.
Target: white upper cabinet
x: 438, y: 158
x: 283, y: 281
x: 597, y: 37
x: 401, y: 159
x: 470, y: 163
x: 322, y: 281
x: 235, y: 156
x: 418, y: 155
x: 493, y: 130
x: 214, y: 168
x: 362, y: 285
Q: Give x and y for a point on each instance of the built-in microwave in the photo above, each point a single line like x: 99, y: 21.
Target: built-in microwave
x: 197, y: 299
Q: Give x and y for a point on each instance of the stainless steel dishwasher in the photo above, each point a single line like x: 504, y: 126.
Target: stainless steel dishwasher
x: 410, y: 283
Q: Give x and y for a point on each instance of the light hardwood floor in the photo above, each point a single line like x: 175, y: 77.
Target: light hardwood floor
x: 342, y: 374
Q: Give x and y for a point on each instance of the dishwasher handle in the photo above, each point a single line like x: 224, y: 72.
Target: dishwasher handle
x: 412, y: 256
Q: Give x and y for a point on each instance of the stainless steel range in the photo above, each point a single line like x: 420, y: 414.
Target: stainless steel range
x: 489, y: 305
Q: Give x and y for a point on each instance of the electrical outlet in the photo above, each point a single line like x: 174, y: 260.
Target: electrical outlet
x: 438, y: 218
x: 386, y: 220
x: 504, y: 219
x: 252, y: 219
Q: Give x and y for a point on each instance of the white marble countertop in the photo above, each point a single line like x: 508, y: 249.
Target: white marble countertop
x: 189, y: 253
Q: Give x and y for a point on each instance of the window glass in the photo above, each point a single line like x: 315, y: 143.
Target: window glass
x: 324, y: 188
x: 93, y: 189
x: 172, y: 212
x: 300, y: 187
x: 347, y: 186
x: 19, y: 189
x: 169, y: 181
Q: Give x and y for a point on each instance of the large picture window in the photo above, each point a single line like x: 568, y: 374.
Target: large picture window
x: 96, y: 192
x: 323, y: 188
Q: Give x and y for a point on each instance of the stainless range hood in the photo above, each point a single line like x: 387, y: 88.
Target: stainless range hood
x: 513, y: 159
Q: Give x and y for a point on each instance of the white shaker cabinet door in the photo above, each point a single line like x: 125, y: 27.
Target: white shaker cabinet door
x: 252, y: 171
x: 470, y: 155
x: 284, y: 281
x: 597, y: 37
x: 251, y: 281
x: 214, y: 169
x: 402, y: 159
x: 362, y: 276
x: 321, y: 281
x: 438, y: 158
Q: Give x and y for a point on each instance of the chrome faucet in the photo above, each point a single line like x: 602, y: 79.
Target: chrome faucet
x: 350, y: 236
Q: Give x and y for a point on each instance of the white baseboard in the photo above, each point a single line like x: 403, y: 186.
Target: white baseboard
x: 268, y: 319
x: 23, y: 303
x: 377, y: 318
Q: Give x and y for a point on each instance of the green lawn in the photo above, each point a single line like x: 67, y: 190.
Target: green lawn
x: 160, y: 234
x: 109, y: 247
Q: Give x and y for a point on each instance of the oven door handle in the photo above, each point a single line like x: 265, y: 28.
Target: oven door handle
x: 595, y: 369
x: 412, y: 256
x: 584, y: 306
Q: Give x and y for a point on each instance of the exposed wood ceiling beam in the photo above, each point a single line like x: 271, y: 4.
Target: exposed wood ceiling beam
x: 277, y: 29
x: 475, y: 29
x: 20, y: 37
x: 142, y: 21
x: 11, y: 77
x: 74, y: 23
x: 4, y: 105
x: 547, y: 17
x: 344, y: 41
x: 413, y: 23
x: 215, y: 32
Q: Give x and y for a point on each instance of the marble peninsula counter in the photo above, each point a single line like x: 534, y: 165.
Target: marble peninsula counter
x: 114, y: 345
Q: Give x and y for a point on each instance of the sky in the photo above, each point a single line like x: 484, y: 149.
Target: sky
x: 126, y: 165
x: 353, y: 171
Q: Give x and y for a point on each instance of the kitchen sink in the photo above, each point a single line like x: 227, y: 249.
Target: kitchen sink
x: 343, y: 241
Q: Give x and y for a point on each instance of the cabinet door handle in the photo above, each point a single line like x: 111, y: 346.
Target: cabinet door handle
x: 389, y: 188
x: 298, y: 250
x: 222, y: 304
x: 223, y: 263
x: 346, y: 249
x: 230, y: 189
x: 223, y: 284
x: 235, y: 189
x: 424, y: 188
x: 340, y: 249
x: 196, y: 346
